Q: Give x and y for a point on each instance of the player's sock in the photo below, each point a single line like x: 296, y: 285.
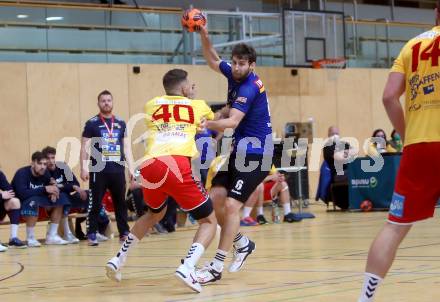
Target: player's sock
x: 66, y: 225
x: 53, y: 229
x: 371, y: 283
x: 240, y: 240
x: 219, y: 260
x: 129, y: 242
x: 14, y: 218
x: 247, y: 211
x: 287, y: 208
x: 195, y: 252
x: 260, y: 211
x: 30, y: 232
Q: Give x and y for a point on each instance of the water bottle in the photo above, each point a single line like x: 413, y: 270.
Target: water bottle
x: 275, y: 212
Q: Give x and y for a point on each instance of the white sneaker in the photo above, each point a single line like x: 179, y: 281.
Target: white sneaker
x: 70, y: 238
x: 3, y: 248
x: 113, y: 269
x: 101, y: 237
x: 240, y: 255
x: 208, y: 274
x: 188, y: 277
x: 32, y: 242
x: 55, y: 240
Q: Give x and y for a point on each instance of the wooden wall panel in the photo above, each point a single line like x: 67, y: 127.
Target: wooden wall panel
x: 14, y: 132
x: 354, y: 104
x: 53, y: 102
x: 379, y: 115
x: 94, y: 78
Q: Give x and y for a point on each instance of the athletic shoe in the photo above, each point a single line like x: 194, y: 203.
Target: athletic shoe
x: 55, y: 240
x: 248, y: 221
x: 17, y: 243
x: 32, y: 242
x: 92, y: 241
x: 80, y: 235
x: 100, y: 237
x: 261, y: 219
x: 188, y: 277
x: 240, y: 255
x: 113, y: 270
x: 70, y: 238
x: 160, y: 228
x: 3, y: 248
x: 208, y: 274
x: 291, y: 218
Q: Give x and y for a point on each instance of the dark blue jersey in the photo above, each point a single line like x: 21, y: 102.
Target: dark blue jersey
x: 4, y: 184
x: 107, y: 139
x: 26, y: 185
x: 64, y: 177
x: 205, y: 146
x: 254, y: 133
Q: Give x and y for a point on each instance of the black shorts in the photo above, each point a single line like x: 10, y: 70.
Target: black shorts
x: 242, y: 178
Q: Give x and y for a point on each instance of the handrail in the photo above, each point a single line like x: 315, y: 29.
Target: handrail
x: 90, y: 6
x: 390, y: 23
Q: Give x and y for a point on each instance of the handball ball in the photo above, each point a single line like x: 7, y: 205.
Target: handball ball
x: 193, y: 20
x: 366, y: 205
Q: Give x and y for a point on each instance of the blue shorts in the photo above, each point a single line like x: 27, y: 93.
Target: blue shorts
x: 30, y: 206
x: 75, y: 202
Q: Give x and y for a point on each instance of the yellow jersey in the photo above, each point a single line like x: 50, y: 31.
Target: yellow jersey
x: 419, y: 62
x: 172, y: 123
x: 215, y: 166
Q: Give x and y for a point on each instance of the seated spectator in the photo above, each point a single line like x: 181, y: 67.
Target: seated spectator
x: 33, y: 187
x: 375, y: 147
x: 335, y: 154
x: 67, y: 182
x: 395, y: 142
x: 275, y: 188
x: 9, y: 204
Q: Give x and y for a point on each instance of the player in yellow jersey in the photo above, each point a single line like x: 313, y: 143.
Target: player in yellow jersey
x: 172, y: 122
x: 416, y: 72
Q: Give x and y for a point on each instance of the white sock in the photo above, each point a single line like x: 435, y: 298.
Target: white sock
x: 66, y: 226
x: 53, y: 229
x: 14, y: 231
x: 260, y: 211
x: 371, y: 283
x: 130, y: 242
x: 219, y: 260
x: 240, y: 240
x: 30, y: 234
x: 287, y: 208
x: 247, y: 211
x: 195, y: 252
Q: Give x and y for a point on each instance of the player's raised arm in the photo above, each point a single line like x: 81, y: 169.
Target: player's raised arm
x: 209, y: 53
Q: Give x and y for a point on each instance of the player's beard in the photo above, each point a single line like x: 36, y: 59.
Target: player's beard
x: 241, y: 77
x: 106, y: 109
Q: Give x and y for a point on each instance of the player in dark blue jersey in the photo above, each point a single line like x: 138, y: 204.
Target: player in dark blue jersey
x: 106, y: 135
x: 33, y: 187
x: 68, y: 184
x: 9, y: 204
x: 251, y: 157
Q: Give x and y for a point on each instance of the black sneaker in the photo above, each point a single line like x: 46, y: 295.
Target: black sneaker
x: 16, y: 243
x: 291, y: 218
x: 261, y: 219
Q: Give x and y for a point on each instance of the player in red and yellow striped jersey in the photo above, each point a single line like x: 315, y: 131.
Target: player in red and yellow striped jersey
x: 172, y: 121
x: 416, y: 72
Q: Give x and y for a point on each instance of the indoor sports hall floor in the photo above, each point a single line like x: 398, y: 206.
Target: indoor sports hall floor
x: 314, y: 260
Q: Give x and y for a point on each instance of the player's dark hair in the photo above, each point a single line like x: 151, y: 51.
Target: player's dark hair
x: 244, y: 51
x: 37, y: 156
x: 104, y: 92
x: 173, y: 78
x: 49, y: 150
